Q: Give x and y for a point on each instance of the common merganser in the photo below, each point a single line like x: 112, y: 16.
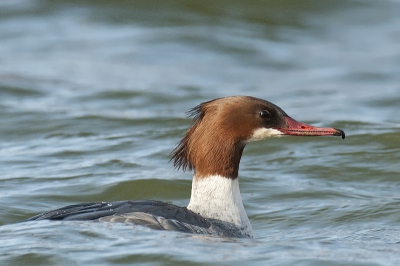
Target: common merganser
x: 212, y: 147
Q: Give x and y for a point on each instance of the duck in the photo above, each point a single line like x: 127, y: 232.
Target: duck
x: 212, y: 147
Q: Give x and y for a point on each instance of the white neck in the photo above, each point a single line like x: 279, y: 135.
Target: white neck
x: 218, y: 197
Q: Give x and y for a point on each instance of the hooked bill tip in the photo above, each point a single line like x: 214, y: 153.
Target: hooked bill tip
x: 340, y: 133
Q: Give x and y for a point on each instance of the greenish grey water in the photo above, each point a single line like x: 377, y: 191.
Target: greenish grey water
x: 92, y: 101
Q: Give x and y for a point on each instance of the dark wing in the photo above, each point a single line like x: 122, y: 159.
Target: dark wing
x: 153, y: 214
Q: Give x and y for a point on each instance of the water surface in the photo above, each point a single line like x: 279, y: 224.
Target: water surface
x: 93, y: 96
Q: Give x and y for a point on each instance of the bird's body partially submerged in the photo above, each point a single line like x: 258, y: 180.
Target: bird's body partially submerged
x: 212, y: 147
x: 153, y: 214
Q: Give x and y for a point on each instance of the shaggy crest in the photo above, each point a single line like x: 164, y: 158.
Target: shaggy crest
x: 180, y: 154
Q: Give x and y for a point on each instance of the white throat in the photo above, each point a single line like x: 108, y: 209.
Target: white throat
x: 263, y: 133
x: 218, y: 197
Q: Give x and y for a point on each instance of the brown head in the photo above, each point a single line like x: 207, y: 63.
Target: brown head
x: 221, y: 128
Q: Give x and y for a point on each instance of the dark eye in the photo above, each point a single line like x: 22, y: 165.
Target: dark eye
x: 264, y: 114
